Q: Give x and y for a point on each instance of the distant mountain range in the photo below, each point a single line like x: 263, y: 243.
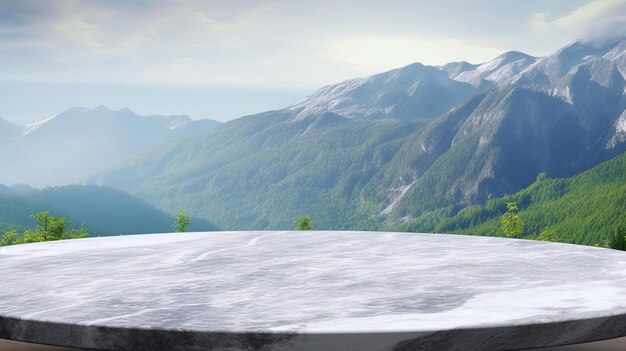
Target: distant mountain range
x: 79, y: 142
x: 386, y: 149
x: 104, y: 211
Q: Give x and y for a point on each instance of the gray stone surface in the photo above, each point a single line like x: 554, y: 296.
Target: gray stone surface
x: 310, y: 291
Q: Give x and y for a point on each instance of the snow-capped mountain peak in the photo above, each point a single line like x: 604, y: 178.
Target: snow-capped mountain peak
x: 411, y: 92
x: 497, y: 72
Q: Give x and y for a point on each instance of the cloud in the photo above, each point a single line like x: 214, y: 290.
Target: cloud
x: 262, y: 42
x: 599, y: 22
x: 109, y: 27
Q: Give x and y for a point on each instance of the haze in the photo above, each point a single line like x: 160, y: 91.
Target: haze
x: 204, y: 58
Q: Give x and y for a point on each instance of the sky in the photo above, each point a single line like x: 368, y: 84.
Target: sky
x: 224, y: 59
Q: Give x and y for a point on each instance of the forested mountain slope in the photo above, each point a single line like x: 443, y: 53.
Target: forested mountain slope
x: 381, y: 150
x: 104, y: 211
x: 584, y: 209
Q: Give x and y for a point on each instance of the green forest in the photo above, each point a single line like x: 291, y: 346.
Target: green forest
x: 589, y: 209
x: 51, y: 228
x: 103, y: 210
x: 48, y: 228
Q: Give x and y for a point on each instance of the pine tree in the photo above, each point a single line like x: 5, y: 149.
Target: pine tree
x: 182, y: 221
x: 548, y: 234
x: 512, y: 224
x: 618, y: 240
x: 304, y: 222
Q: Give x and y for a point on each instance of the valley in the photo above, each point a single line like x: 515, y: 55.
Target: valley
x: 396, y: 147
x: 418, y: 148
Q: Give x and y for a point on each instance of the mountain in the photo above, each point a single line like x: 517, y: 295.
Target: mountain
x: 8, y: 132
x: 15, y: 212
x: 264, y: 170
x: 618, y: 55
x: 78, y: 142
x: 20, y: 189
x: 354, y: 157
x: 412, y: 92
x: 619, y: 132
x: 584, y: 209
x: 497, y: 72
x: 104, y: 211
x: 499, y: 147
x: 5, y: 190
x: 547, y: 73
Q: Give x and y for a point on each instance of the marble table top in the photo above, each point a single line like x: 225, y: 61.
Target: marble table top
x: 310, y: 291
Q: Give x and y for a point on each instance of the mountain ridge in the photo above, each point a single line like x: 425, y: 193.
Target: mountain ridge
x: 494, y: 140
x: 104, y: 211
x: 41, y: 153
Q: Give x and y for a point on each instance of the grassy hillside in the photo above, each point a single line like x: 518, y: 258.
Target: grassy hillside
x: 104, y: 211
x: 584, y: 209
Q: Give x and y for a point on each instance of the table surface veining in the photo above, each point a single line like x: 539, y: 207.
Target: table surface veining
x: 288, y: 290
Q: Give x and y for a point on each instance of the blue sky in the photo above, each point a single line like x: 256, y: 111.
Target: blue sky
x: 224, y: 59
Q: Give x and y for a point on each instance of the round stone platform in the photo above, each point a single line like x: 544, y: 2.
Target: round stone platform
x: 310, y: 291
